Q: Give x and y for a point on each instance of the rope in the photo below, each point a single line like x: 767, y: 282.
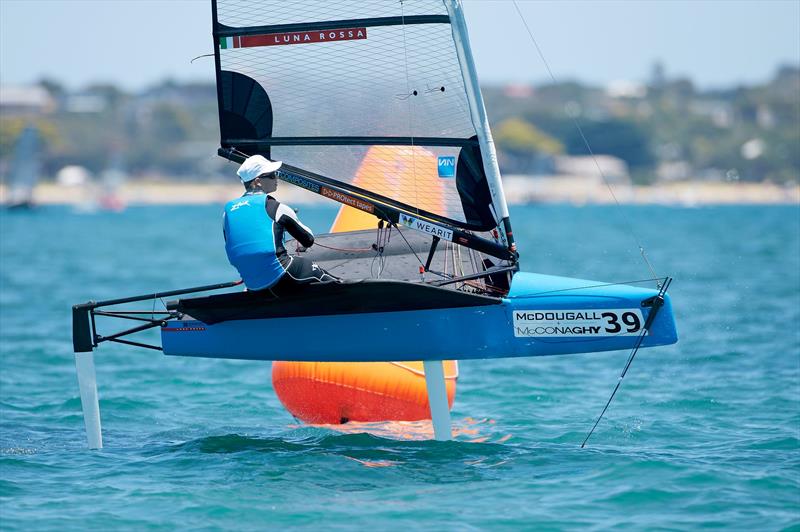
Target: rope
x: 381, y: 240
x: 346, y: 250
x: 485, y: 286
x: 628, y: 224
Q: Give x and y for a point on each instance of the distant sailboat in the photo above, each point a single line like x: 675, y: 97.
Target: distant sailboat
x: 25, y: 170
x: 101, y: 192
x: 110, y: 181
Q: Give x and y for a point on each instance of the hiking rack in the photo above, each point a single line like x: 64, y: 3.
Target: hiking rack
x: 84, y: 327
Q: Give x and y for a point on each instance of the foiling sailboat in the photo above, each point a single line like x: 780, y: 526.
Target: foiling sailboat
x: 376, y: 105
x: 25, y: 170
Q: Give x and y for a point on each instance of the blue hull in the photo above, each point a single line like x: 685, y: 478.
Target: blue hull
x: 542, y: 315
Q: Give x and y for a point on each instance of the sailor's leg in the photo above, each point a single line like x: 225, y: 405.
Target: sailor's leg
x: 87, y: 383
x: 326, y: 275
x: 303, y: 270
x: 437, y: 399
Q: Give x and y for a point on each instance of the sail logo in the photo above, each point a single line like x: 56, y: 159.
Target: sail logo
x: 347, y: 199
x: 446, y: 166
x: 426, y: 227
x: 296, y: 37
x: 299, y: 181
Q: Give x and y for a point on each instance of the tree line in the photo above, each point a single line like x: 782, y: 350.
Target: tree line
x: 664, y: 129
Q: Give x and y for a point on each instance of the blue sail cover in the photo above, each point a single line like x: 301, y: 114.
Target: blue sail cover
x: 360, y: 92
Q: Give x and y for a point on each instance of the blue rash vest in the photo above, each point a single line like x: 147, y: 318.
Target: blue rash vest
x: 250, y: 241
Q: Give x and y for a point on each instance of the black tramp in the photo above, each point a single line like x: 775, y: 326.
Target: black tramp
x: 325, y: 299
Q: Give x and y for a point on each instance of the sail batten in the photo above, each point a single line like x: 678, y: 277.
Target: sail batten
x: 334, y: 141
x: 245, y: 12
x: 369, y: 94
x: 228, y: 31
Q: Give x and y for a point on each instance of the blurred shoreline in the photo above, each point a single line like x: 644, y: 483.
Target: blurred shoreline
x: 520, y: 190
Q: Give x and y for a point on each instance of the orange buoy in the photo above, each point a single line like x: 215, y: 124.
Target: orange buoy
x: 337, y: 392
x: 391, y: 171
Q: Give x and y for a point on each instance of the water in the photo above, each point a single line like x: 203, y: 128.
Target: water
x: 703, y: 433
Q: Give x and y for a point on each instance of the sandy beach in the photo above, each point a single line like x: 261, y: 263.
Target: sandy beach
x: 519, y: 190
x: 579, y: 191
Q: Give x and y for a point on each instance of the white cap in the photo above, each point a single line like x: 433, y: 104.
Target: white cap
x: 256, y: 165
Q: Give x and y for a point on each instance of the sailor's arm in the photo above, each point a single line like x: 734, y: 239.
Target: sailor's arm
x: 287, y: 218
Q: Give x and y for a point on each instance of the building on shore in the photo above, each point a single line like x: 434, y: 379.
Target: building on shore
x: 25, y: 101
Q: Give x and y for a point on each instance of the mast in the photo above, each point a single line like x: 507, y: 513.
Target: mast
x: 479, y: 119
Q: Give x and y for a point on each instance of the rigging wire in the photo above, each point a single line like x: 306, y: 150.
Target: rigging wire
x: 628, y: 223
x: 658, y: 280
x: 409, y: 245
x: 199, y: 56
x: 440, y: 274
x: 657, y: 304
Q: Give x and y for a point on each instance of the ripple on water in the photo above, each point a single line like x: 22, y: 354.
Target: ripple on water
x: 704, y: 433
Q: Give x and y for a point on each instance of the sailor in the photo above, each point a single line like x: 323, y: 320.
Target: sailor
x: 254, y: 226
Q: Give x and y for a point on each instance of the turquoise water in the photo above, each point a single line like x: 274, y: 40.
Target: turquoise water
x: 703, y: 433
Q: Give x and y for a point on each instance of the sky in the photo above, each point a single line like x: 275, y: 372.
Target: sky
x: 138, y: 43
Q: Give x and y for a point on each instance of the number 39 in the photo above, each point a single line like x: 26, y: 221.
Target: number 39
x: 628, y: 318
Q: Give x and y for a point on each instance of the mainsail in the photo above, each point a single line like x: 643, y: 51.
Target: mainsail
x: 25, y: 168
x: 322, y: 85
